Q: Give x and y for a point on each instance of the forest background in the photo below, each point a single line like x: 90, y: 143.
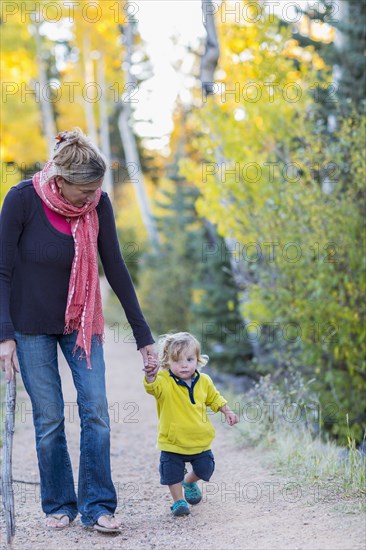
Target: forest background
x: 243, y: 224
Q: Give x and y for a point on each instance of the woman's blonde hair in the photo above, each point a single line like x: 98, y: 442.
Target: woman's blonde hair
x: 171, y: 346
x: 76, y: 159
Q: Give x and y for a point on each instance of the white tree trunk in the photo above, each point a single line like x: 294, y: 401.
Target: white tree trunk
x: 104, y: 129
x: 89, y: 78
x: 211, y: 56
x: 340, y: 43
x: 342, y: 14
x: 130, y: 147
x: 48, y: 121
x: 208, y: 66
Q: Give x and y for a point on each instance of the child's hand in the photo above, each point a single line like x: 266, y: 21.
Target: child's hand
x: 151, y: 369
x: 231, y: 418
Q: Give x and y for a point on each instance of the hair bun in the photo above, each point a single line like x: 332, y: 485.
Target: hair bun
x: 75, y: 136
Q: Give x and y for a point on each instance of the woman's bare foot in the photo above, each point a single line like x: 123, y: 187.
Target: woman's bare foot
x: 108, y: 522
x: 57, y: 521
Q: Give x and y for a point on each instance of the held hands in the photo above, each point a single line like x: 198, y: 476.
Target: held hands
x: 152, y: 369
x: 151, y: 363
x: 8, y: 359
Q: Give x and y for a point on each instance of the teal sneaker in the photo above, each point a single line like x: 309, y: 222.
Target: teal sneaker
x: 180, y: 508
x: 192, y: 493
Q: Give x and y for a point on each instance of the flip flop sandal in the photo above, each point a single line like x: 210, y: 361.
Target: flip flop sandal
x: 58, y: 517
x: 102, y: 529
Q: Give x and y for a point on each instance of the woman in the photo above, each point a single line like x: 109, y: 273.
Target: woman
x: 52, y: 228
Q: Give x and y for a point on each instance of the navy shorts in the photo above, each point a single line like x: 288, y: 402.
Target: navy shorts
x: 172, y: 466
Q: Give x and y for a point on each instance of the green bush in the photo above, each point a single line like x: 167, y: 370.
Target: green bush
x: 284, y: 416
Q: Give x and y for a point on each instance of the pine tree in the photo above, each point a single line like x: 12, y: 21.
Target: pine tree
x: 216, y: 307
x: 346, y: 54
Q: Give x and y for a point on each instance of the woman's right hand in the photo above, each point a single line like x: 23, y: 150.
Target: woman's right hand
x: 8, y: 359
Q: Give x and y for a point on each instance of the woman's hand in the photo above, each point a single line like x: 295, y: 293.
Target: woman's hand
x: 151, y: 362
x: 8, y: 359
x: 146, y: 351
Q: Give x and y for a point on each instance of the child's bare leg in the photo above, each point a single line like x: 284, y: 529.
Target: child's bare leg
x: 176, y: 491
x: 190, y: 477
x: 192, y: 493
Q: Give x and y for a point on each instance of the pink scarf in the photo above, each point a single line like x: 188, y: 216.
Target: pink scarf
x: 84, y: 303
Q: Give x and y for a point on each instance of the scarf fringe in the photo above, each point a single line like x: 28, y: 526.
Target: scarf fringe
x: 83, y: 354
x: 69, y: 328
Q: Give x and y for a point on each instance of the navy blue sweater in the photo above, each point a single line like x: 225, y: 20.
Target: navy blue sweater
x: 35, y: 266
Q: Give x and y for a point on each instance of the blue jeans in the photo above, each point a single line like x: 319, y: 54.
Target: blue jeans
x: 37, y: 356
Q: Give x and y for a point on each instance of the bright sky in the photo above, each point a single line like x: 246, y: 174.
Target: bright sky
x: 168, y: 27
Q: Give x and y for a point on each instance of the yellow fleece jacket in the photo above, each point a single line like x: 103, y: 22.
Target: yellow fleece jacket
x: 184, y: 426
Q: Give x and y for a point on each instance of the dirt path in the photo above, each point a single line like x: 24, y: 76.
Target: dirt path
x: 246, y: 506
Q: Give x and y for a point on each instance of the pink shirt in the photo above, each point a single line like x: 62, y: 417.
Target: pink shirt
x: 57, y: 220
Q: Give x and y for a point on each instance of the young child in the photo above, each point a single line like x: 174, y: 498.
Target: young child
x: 185, y: 433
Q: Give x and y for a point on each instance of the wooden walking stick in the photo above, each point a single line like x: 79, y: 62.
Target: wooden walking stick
x: 6, y: 471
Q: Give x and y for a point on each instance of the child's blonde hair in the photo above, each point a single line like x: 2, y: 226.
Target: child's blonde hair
x: 171, y: 346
